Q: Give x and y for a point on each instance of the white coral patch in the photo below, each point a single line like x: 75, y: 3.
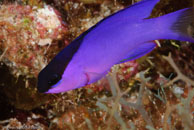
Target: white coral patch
x: 178, y: 90
x: 46, y: 41
x: 47, y: 17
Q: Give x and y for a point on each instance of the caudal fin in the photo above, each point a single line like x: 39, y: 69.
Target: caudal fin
x: 177, y: 25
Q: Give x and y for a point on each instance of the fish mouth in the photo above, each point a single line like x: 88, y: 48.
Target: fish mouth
x: 45, y: 88
x: 42, y: 89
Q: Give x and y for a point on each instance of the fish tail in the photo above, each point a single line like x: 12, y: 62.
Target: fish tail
x: 177, y: 25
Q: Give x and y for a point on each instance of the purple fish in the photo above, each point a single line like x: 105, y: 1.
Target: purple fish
x: 123, y: 35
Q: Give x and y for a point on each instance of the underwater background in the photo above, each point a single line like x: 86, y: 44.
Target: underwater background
x: 154, y: 92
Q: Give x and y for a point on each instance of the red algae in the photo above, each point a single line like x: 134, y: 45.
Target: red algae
x: 26, y: 32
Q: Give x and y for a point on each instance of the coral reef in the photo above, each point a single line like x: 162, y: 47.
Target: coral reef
x: 24, y: 30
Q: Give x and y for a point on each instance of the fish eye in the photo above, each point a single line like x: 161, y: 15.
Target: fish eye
x: 54, y: 79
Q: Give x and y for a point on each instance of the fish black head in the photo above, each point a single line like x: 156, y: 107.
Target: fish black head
x: 50, y: 75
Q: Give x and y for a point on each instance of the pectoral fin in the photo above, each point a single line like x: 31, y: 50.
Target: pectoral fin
x: 94, y: 76
x: 140, y: 51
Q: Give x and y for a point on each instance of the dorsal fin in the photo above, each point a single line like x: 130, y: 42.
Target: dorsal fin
x: 142, y: 9
x: 137, y: 11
